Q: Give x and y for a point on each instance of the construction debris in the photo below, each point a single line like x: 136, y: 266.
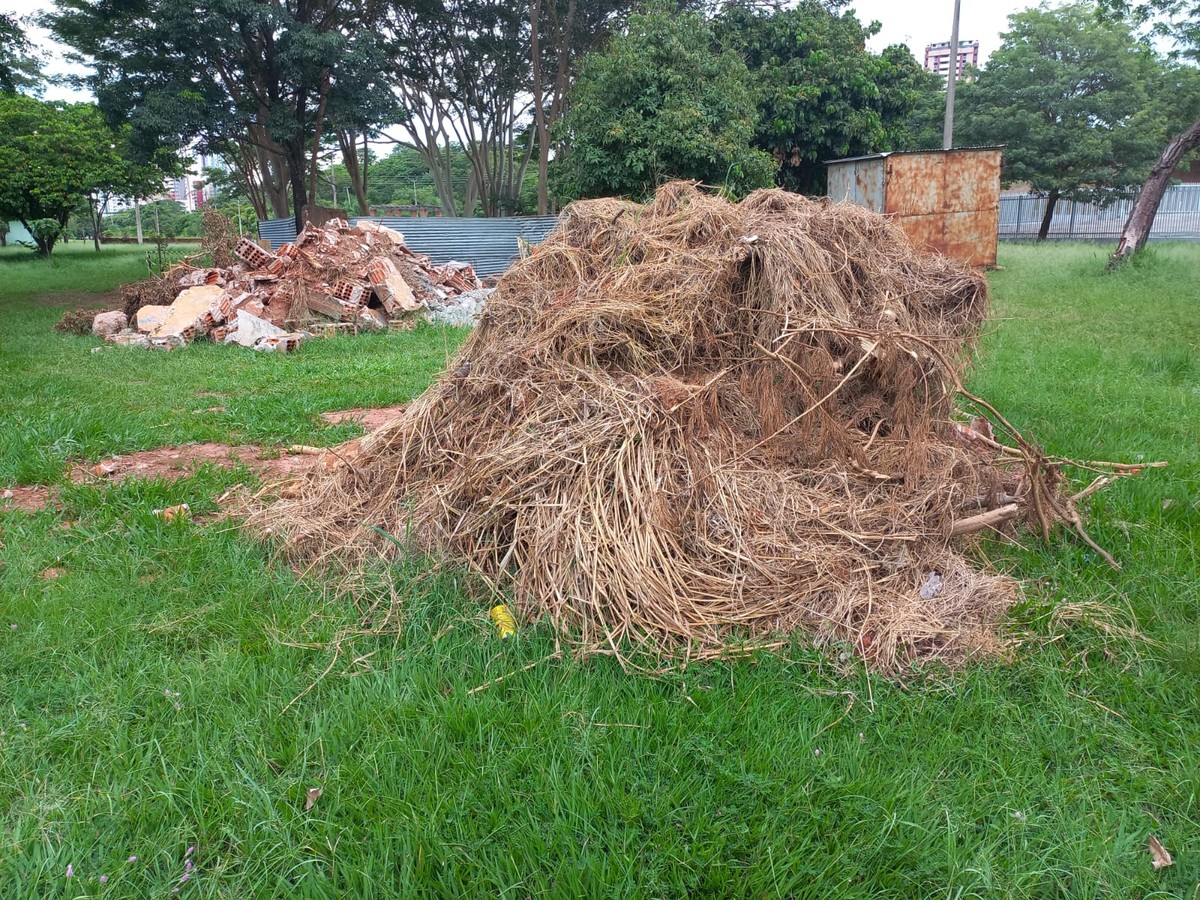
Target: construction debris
x: 107, y: 323
x: 694, y: 424
x: 363, y: 277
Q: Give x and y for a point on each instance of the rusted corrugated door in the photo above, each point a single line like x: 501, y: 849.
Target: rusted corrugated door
x: 948, y: 202
x: 858, y: 181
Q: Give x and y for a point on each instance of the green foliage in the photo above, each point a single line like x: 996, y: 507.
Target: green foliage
x: 239, y: 72
x: 1081, y: 104
x: 45, y: 231
x: 924, y: 126
x: 53, y: 156
x: 821, y: 94
x: 168, y: 218
x: 19, y: 69
x: 659, y: 103
x: 1177, y: 20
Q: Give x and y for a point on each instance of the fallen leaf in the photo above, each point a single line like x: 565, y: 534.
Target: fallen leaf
x: 50, y: 573
x: 104, y: 468
x: 171, y: 513
x: 1161, y: 857
x: 314, y: 794
x: 1167, y: 503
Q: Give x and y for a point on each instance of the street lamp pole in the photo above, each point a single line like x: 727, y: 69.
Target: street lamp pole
x: 952, y: 79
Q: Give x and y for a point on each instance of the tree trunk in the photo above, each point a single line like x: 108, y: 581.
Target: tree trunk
x: 539, y: 111
x: 1145, y: 208
x: 97, y: 209
x: 1051, y: 202
x: 348, y: 144
x: 296, y: 167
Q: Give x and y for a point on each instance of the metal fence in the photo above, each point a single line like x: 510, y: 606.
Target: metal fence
x: 1178, y: 217
x: 490, y: 245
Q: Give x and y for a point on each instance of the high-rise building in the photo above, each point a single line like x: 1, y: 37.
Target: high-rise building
x: 937, y: 57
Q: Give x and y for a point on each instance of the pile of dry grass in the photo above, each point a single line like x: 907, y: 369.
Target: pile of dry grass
x: 77, y: 321
x: 157, y: 290
x: 688, y: 422
x: 219, y: 239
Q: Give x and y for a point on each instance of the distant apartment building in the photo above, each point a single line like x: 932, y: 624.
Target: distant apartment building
x: 193, y: 191
x: 937, y: 57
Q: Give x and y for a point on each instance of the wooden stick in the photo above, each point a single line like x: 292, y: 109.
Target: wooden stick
x: 989, y: 519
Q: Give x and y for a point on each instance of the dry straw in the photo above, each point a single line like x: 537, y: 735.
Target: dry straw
x: 686, y: 423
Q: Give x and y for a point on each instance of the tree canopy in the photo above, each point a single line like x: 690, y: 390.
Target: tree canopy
x: 19, y: 70
x: 1178, y: 21
x: 1079, y: 104
x: 820, y: 93
x: 658, y: 102
x: 259, y: 81
x: 53, y: 156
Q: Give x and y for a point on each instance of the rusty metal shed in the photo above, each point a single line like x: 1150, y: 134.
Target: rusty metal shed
x: 946, y: 200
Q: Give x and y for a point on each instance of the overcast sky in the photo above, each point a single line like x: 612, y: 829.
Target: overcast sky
x: 912, y: 22
x: 919, y: 23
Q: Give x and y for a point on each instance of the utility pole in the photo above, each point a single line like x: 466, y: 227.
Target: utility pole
x: 952, y: 79
x: 137, y: 217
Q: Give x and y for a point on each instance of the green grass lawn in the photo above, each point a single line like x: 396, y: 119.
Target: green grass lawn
x: 146, y: 695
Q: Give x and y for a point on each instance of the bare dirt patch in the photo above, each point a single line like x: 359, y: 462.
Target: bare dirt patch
x: 80, y: 299
x: 26, y: 499
x: 368, y: 418
x: 164, y: 463
x: 178, y: 462
x: 272, y: 464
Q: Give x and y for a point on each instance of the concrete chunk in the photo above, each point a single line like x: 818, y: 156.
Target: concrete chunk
x: 367, y: 227
x: 149, y: 317
x: 251, y: 329
x: 191, y: 310
x: 107, y: 323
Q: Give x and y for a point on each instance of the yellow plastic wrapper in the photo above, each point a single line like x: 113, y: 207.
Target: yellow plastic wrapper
x: 504, y: 620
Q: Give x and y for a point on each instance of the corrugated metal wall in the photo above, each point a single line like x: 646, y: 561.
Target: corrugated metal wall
x: 858, y: 181
x: 945, y: 200
x: 490, y: 245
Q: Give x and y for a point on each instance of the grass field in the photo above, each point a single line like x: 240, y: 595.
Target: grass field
x: 146, y: 695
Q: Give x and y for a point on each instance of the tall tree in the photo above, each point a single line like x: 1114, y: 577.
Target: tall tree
x: 561, y: 32
x: 461, y: 71
x: 19, y: 69
x: 658, y: 103
x: 260, y: 81
x: 821, y: 93
x: 1179, y: 22
x: 1075, y: 101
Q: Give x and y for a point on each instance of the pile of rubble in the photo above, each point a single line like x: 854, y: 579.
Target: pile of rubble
x: 337, y: 277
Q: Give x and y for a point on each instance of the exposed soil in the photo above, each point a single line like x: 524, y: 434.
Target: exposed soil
x: 184, y: 460
x: 369, y: 419
x: 26, y: 499
x: 80, y: 299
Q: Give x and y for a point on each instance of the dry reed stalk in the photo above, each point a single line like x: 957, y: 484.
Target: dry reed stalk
x: 681, y: 424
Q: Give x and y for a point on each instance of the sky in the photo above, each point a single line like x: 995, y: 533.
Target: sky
x: 912, y: 22
x: 917, y: 23
x: 52, y: 52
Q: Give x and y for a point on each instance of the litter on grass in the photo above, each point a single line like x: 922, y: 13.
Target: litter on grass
x: 333, y: 278
x: 686, y: 424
